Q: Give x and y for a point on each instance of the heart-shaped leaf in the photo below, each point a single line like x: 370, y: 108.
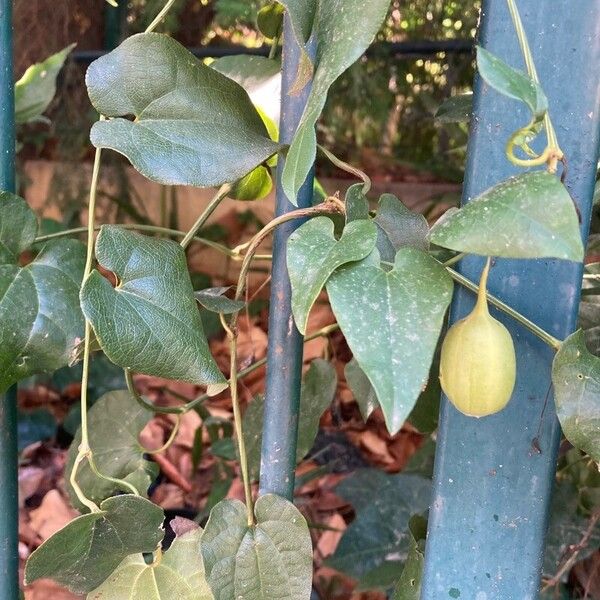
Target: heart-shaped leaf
x: 178, y: 575
x: 150, y: 322
x: 528, y: 216
x: 340, y: 38
x: 399, y: 227
x: 36, y: 88
x: 576, y: 380
x: 424, y: 415
x: 115, y: 423
x: 193, y: 125
x: 40, y: 319
x: 383, y: 504
x: 392, y: 321
x: 313, y: 254
x: 81, y: 555
x: 271, y: 559
x: 316, y: 395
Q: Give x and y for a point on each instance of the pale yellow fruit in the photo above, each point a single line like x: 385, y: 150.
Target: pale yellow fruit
x: 478, y: 363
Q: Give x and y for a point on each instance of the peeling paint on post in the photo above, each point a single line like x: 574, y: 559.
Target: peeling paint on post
x: 284, y: 354
x: 494, y: 476
x: 9, y: 513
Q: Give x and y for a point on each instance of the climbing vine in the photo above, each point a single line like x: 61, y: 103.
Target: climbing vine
x: 388, y: 276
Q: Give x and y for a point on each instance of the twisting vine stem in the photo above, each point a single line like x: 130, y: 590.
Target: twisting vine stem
x: 331, y: 206
x: 552, y: 153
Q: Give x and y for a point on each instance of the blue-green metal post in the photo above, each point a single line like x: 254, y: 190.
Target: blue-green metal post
x: 114, y: 23
x: 284, y: 354
x: 494, y: 476
x: 9, y: 512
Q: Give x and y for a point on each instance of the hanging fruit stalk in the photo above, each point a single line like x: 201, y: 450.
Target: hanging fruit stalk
x: 478, y: 364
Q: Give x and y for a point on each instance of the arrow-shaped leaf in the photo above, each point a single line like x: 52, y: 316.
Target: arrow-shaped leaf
x: 150, y: 322
x: 81, y: 555
x: 115, y: 423
x: 576, y: 380
x: 271, y: 559
x: 392, y: 321
x: 193, y: 125
x: 313, y: 254
x: 528, y: 216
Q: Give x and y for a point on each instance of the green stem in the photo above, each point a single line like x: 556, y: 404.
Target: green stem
x: 160, y: 16
x: 338, y: 162
x: 330, y: 206
x: 511, y: 312
x: 211, y: 207
x: 84, y: 451
x: 553, y: 147
x: 170, y: 440
x: 454, y: 259
x: 149, y: 228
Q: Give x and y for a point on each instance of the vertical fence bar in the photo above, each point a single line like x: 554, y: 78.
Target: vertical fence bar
x: 114, y: 22
x: 9, y: 514
x: 494, y: 476
x: 284, y: 354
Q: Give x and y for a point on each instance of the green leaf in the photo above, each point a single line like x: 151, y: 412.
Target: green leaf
x: 383, y: 504
x: 214, y: 299
x: 40, y: 320
x: 399, y: 227
x: 566, y: 529
x: 528, y: 216
x: 392, y: 321
x: 456, y: 109
x: 340, y: 38
x: 382, y: 577
x: 150, y: 322
x: 512, y: 83
x: 193, y: 126
x: 85, y: 552
x: 270, y: 20
x: 261, y: 78
x: 409, y: 584
x: 424, y: 415
x: 316, y: 395
x: 357, y: 204
x: 361, y: 388
x: 254, y: 186
x: 18, y: 227
x: 302, y: 15
x: 271, y: 559
x: 114, y: 423
x: 36, y: 88
x: 179, y: 574
x: 576, y: 381
x: 35, y: 426
x: 313, y: 254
